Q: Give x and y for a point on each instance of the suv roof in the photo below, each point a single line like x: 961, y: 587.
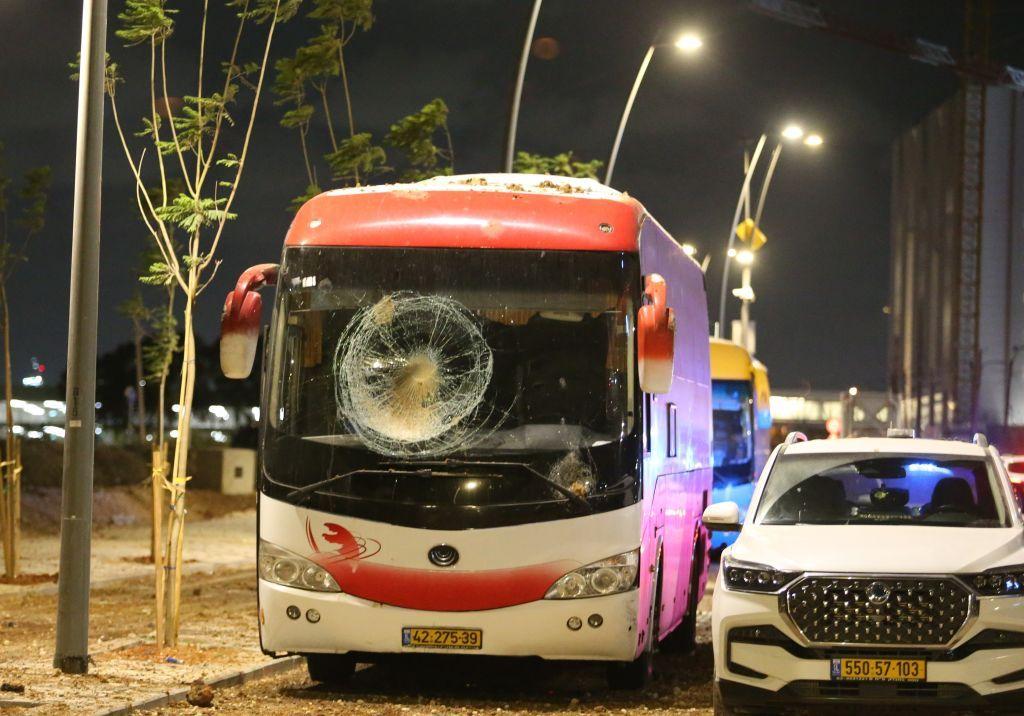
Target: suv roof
x: 886, y: 445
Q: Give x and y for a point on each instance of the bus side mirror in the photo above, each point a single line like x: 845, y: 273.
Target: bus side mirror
x: 722, y: 517
x: 656, y: 333
x: 241, y: 320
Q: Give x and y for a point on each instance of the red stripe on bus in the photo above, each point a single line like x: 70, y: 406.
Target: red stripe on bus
x: 443, y: 590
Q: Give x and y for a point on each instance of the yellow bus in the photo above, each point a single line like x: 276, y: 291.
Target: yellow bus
x: 742, y: 420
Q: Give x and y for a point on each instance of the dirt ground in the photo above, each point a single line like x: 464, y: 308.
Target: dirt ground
x: 506, y: 689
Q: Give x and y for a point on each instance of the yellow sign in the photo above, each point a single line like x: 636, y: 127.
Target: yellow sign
x: 746, y: 229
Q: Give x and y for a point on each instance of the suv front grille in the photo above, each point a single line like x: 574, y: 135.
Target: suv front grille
x: 919, y: 611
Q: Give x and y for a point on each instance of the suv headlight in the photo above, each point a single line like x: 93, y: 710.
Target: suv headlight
x: 280, y: 566
x: 750, y: 577
x: 597, y: 579
x: 998, y: 582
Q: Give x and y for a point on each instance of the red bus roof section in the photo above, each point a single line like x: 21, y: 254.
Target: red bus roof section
x: 498, y: 211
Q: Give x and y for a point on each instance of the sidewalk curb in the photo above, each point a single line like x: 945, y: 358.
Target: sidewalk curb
x: 236, y: 678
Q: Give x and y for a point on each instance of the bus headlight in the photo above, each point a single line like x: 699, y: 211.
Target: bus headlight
x: 609, y: 576
x: 280, y: 566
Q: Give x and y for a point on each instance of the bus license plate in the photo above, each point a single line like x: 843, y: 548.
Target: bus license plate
x: 878, y: 670
x: 442, y: 638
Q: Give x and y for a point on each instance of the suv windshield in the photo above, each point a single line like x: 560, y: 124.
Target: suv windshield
x: 453, y: 387
x: 936, y: 490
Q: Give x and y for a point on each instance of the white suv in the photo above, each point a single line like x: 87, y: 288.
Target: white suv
x: 872, y: 571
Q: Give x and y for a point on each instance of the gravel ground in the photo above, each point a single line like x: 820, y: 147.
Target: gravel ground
x: 448, y: 685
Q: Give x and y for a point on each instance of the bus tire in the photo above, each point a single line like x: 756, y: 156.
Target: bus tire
x: 637, y: 674
x: 683, y: 639
x: 330, y: 669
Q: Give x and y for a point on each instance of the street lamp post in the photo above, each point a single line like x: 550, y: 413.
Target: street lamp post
x: 72, y: 649
x: 517, y: 93
x: 790, y: 133
x: 688, y: 43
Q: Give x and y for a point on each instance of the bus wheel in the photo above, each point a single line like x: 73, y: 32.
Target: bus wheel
x: 636, y: 674
x: 331, y: 669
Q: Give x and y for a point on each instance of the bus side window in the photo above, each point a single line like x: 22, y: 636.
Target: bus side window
x: 647, y: 422
x: 670, y: 429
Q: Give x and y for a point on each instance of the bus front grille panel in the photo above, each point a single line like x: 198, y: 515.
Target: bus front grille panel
x: 919, y: 611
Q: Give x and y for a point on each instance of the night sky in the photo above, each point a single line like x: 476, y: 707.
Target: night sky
x: 822, y: 281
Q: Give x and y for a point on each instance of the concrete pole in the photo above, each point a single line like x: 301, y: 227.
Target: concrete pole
x: 625, y: 113
x: 72, y: 651
x: 513, y: 120
x: 745, y: 309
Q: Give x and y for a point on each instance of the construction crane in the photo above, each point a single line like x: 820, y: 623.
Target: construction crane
x: 973, y: 64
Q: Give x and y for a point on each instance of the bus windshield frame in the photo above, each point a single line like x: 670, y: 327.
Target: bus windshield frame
x: 553, y: 435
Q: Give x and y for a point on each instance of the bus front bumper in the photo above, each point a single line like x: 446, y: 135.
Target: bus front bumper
x: 538, y: 629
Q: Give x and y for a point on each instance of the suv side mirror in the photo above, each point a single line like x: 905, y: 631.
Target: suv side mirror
x: 722, y: 517
x: 240, y: 322
x: 656, y: 334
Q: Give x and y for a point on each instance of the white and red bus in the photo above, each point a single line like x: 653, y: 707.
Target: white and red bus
x: 486, y: 426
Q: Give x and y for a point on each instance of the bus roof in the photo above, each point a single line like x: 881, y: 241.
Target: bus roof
x: 480, y: 211
x: 730, y: 361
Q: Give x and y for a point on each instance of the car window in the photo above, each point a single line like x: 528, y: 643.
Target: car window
x: 882, y: 489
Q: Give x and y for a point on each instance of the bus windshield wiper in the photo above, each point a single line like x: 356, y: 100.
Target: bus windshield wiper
x: 313, y: 487
x: 577, y: 500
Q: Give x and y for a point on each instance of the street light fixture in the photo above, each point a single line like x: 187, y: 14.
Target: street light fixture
x: 689, y: 249
x: 745, y: 257
x: 688, y: 43
x: 792, y: 133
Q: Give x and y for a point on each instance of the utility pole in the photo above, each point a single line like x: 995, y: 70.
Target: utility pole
x: 72, y: 651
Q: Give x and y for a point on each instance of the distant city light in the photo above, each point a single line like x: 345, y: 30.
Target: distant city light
x: 853, y: 391
x: 220, y: 411
x: 54, y: 431
x: 54, y: 405
x: 218, y: 436
x: 174, y: 434
x: 18, y: 430
x: 745, y: 257
x: 255, y: 413
x: 731, y: 253
x: 689, y: 249
x: 32, y: 381
x: 98, y: 405
x: 175, y: 408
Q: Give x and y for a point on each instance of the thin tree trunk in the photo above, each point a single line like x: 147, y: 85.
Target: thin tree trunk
x: 176, y: 519
x: 159, y: 474
x: 11, y: 484
x: 348, y: 97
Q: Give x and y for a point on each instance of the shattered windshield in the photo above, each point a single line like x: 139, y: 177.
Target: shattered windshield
x: 935, y: 490
x: 453, y: 377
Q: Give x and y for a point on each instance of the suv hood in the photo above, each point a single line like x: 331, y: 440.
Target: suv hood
x: 880, y: 549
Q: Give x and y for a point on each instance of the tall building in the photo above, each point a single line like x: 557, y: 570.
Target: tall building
x: 956, y: 361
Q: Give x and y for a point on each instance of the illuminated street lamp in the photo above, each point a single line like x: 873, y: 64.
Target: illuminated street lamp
x: 688, y: 43
x: 690, y: 250
x: 813, y: 140
x: 790, y: 133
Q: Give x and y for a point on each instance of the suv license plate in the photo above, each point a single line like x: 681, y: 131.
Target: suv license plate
x: 878, y: 669
x: 442, y: 638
